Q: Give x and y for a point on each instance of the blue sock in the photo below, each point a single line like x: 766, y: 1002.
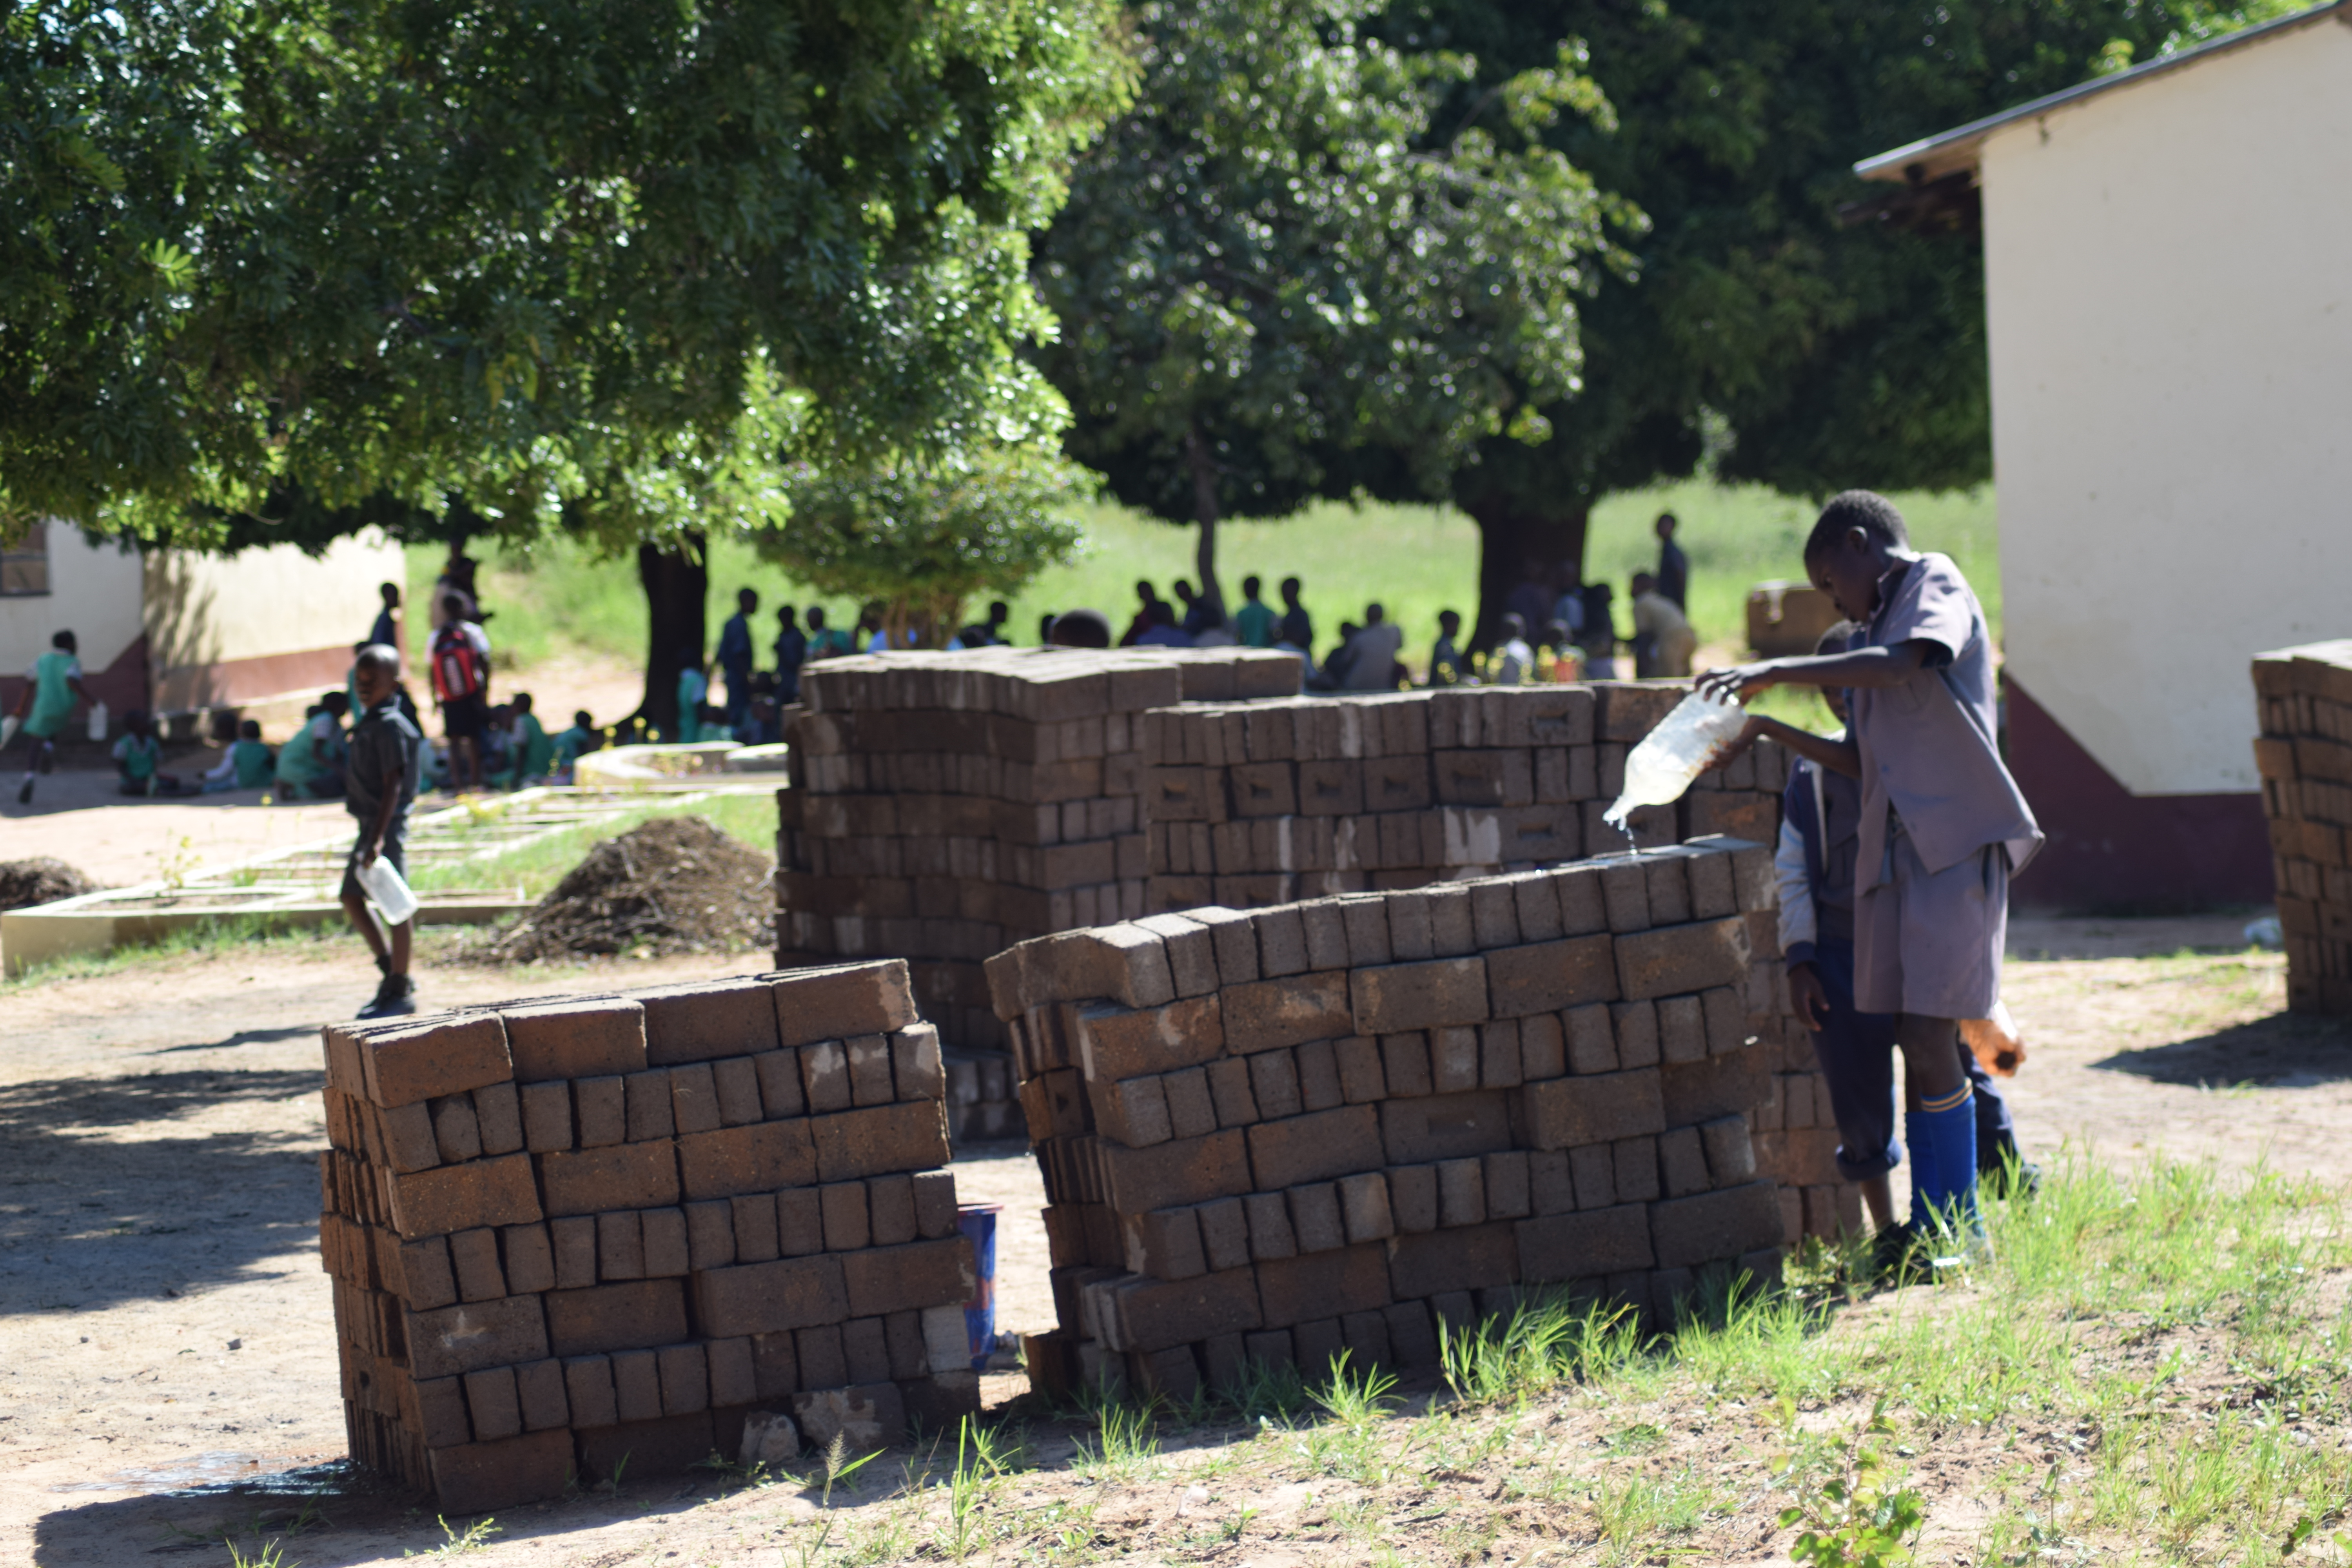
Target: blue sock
x: 1944, y: 1158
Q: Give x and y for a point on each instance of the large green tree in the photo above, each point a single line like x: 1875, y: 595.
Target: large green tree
x: 269, y: 269
x: 1282, y: 253
x: 1840, y: 337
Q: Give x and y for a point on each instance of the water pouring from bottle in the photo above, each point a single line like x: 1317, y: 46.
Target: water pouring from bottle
x: 1657, y: 772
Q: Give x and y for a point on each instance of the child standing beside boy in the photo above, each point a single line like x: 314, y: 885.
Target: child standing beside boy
x: 1942, y: 824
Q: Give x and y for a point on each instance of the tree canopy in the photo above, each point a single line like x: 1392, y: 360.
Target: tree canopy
x: 1282, y: 253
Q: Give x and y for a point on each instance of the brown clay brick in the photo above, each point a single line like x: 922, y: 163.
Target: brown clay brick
x: 935, y: 1204
x: 636, y: 1384
x: 480, y: 1477
x: 1270, y: 1231
x: 708, y: 1021
x: 409, y: 1143
x: 1637, y: 1168
x: 843, y: 1205
x: 1730, y: 1152
x: 1224, y: 1234
x: 1269, y: 1014
x: 458, y: 1197
x: 1673, y: 960
x: 603, y: 1111
x: 1583, y: 903
x: 761, y: 1157
x: 476, y: 1334
x: 1364, y: 1208
x: 1186, y: 1171
x: 530, y: 1260
x: 1711, y: 1227
x: 1550, y: 1189
x: 1461, y: 1191
x: 1412, y: 1197
x: 866, y: 1350
x: 710, y: 1234
x: 1635, y: 1026
x: 1543, y: 1049
x: 499, y: 1113
x: 1404, y: 997
x: 1546, y: 976
x: 869, y: 1069
x: 491, y: 1399
x: 665, y: 1253
x: 1314, y: 1217
x: 441, y: 1413
x: 780, y: 1091
x: 1164, y: 1244
x: 546, y: 1117
x: 684, y: 1379
x: 590, y: 1181
x: 822, y: 1362
x: 1318, y: 1076
x: 916, y: 1069
x: 573, y: 1242
x: 421, y: 1059
x: 1358, y: 1060
x: 1453, y: 1059
x: 1594, y: 1170
x: 1405, y: 1060
x: 588, y: 1388
x: 1314, y: 1147
x: 619, y: 1245
x: 538, y: 1391
x: 825, y: 1073
x: 473, y: 1253
x: 1324, y: 1284
x: 1500, y: 1065
x: 1681, y: 1029
x: 1443, y: 1126
x: 909, y: 1136
x: 1230, y: 1090
x: 1116, y: 1042
x: 1157, y: 1314
x: 651, y: 1114
x: 891, y: 1210
x: 833, y: 1004
x: 694, y: 1097
x: 752, y: 1219
x: 456, y: 1133
x: 1585, y: 1246
x: 1715, y: 1086
x: 1591, y: 1043
x: 580, y: 1036
x: 799, y: 1229
x: 883, y: 1280
x: 734, y: 1372
x: 1274, y: 1084
x: 1190, y: 1113
x: 1566, y: 1112
x: 761, y: 1298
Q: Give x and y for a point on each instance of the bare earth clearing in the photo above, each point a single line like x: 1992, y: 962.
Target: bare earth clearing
x: 169, y: 1331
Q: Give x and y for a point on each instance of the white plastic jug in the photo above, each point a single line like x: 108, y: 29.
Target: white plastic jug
x: 98, y: 720
x: 1661, y: 767
x: 388, y: 891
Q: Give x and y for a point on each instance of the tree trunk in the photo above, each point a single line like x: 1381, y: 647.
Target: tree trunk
x: 676, y: 579
x: 1204, y: 511
x: 1510, y: 536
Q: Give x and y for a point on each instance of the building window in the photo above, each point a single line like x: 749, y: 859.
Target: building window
x: 25, y: 566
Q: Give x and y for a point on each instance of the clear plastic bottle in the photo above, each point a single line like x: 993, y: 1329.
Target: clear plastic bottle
x: 1661, y: 767
x: 388, y: 891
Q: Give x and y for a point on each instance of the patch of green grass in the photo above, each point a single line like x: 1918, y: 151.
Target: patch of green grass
x: 537, y: 866
x: 558, y: 597
x: 249, y: 933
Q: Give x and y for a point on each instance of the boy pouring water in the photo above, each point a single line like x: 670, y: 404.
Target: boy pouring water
x: 1943, y: 825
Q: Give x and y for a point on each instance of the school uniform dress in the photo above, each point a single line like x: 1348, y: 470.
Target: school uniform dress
x: 1821, y: 832
x: 1943, y: 826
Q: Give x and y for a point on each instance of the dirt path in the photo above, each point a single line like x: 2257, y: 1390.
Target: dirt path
x: 169, y: 1329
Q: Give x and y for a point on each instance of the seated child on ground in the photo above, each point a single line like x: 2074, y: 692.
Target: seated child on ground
x: 136, y: 759
x: 248, y: 765
x: 573, y: 744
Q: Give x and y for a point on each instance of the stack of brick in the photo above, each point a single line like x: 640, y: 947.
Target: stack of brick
x: 944, y: 806
x: 1273, y: 1135
x: 2304, y: 759
x: 570, y: 1232
x: 1258, y: 804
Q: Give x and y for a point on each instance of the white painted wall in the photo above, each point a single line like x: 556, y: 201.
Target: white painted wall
x: 2169, y: 269
x: 94, y: 593
x: 210, y: 609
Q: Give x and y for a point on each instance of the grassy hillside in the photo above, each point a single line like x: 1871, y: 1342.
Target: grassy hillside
x: 558, y: 598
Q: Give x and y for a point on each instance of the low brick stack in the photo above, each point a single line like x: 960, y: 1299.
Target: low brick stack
x: 1258, y: 805
x: 572, y: 1232
x: 2304, y: 759
x: 1275, y: 1134
x: 944, y: 806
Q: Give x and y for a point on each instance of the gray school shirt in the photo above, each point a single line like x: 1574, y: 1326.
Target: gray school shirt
x: 1929, y: 750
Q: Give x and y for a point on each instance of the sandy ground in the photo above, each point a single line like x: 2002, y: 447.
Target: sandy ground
x: 172, y: 1373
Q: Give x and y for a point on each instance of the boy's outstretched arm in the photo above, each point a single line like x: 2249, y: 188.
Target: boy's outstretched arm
x: 1838, y: 756
x: 1863, y: 666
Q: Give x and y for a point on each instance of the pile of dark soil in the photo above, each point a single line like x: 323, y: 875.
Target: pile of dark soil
x: 41, y: 881
x: 673, y: 885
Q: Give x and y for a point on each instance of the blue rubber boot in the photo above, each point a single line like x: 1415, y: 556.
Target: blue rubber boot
x: 1944, y: 1167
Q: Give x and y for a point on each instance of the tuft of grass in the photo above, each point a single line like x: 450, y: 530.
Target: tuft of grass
x: 537, y: 866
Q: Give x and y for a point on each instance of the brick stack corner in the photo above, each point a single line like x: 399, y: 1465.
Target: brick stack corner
x: 1268, y: 1136
x: 570, y: 1232
x: 2304, y: 757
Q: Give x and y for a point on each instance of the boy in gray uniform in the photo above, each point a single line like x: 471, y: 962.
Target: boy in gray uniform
x: 1943, y: 825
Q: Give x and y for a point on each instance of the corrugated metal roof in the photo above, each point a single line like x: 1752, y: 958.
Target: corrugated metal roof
x: 1957, y: 149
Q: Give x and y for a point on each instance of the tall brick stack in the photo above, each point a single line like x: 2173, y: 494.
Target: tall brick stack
x: 1272, y: 1134
x: 2304, y: 759
x: 571, y: 1233
x: 944, y: 806
x: 1258, y: 805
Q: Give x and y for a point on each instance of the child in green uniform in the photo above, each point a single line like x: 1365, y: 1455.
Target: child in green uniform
x: 248, y: 765
x: 310, y: 765
x: 573, y: 744
x: 136, y: 759
x: 531, y: 753
x: 51, y: 687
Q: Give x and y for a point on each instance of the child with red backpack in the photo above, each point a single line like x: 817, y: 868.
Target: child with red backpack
x: 461, y: 681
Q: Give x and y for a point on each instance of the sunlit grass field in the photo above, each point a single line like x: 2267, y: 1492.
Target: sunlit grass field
x: 559, y: 598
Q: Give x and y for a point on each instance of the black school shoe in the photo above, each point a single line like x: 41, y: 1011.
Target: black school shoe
x: 395, y: 998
